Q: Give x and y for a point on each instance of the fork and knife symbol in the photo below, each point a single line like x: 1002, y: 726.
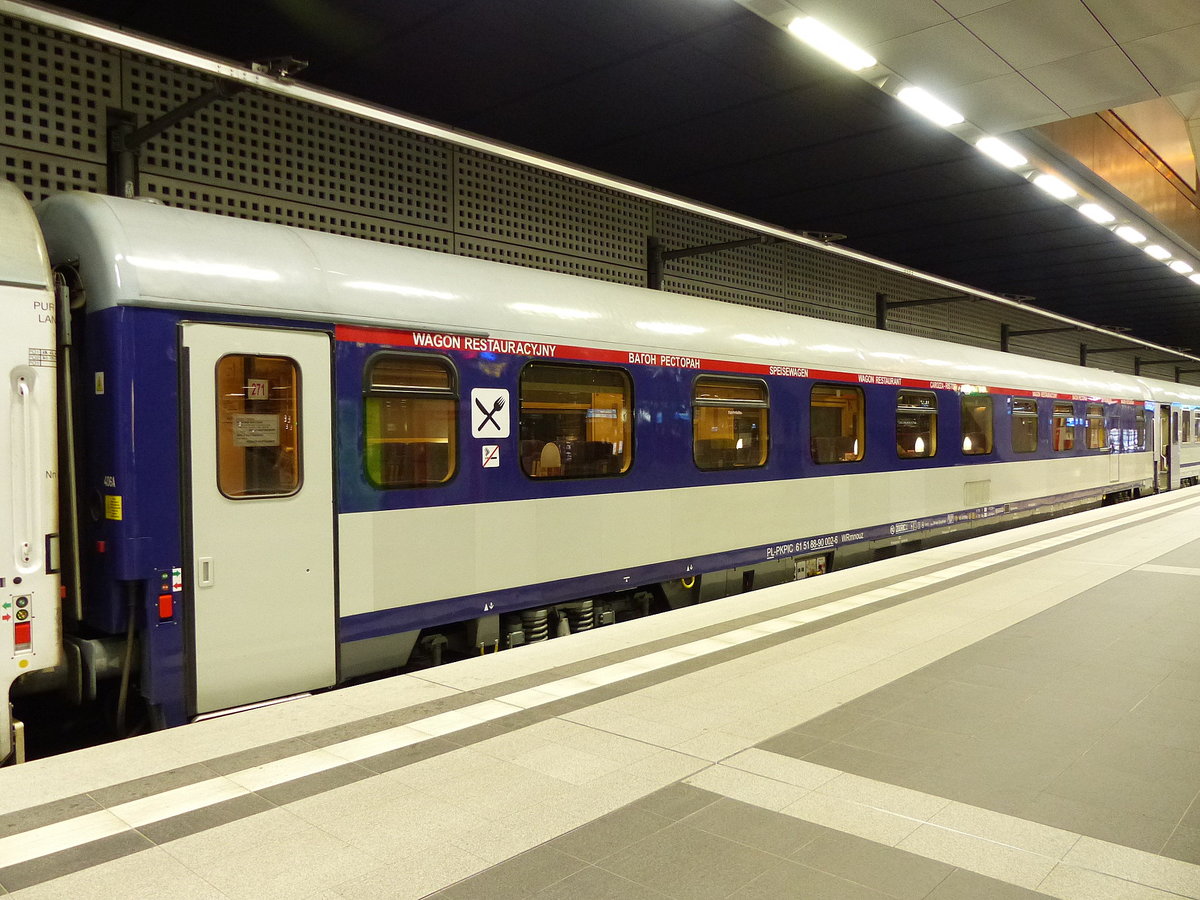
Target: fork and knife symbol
x: 490, y: 416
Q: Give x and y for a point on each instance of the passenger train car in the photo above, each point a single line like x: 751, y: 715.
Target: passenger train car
x: 286, y: 459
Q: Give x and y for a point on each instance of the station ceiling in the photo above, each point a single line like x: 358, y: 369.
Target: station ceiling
x: 714, y: 101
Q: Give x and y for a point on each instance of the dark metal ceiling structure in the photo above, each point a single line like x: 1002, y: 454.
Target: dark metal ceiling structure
x: 704, y: 99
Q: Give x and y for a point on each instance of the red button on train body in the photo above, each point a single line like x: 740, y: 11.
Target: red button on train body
x: 21, y: 635
x: 166, y: 606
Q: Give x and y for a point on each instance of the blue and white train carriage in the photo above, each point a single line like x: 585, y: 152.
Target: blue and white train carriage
x: 289, y: 456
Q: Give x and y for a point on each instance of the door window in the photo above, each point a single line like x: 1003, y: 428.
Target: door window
x: 258, y: 426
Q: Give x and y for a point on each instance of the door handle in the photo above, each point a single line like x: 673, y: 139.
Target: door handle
x: 204, y: 571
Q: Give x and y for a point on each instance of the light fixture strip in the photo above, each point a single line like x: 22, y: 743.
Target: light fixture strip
x: 929, y: 106
x: 828, y: 42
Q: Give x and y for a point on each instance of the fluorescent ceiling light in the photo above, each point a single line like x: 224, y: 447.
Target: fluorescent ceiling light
x: 1097, y: 213
x: 1130, y: 234
x: 1055, y: 187
x: 1195, y: 278
x: 825, y: 40
x: 929, y: 106
x: 1181, y: 267
x: 1000, y: 152
x: 1158, y: 252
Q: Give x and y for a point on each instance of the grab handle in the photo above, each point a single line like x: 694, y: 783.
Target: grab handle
x: 25, y: 469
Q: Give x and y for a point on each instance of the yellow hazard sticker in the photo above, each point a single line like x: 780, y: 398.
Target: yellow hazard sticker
x: 112, y: 507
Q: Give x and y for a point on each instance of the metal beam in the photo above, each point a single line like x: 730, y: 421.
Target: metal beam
x: 1085, y: 352
x: 1006, y: 332
x: 883, y: 304
x: 1138, y: 362
x: 125, y: 139
x: 656, y: 255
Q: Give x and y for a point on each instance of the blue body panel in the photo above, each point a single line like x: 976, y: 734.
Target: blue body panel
x: 135, y: 546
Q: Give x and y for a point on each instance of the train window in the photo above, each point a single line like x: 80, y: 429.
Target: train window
x: 1024, y: 425
x: 1187, y: 426
x: 1095, y: 427
x: 1063, y: 433
x: 977, y: 421
x: 1139, y: 430
x: 836, y: 415
x: 916, y: 424
x: 575, y: 421
x: 258, y: 426
x: 729, y: 423
x: 411, y: 414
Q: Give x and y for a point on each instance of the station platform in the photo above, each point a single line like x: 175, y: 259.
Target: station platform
x: 1013, y: 716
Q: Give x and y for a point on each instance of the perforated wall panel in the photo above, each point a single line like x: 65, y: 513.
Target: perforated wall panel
x: 499, y: 200
x: 267, y: 157
x: 55, y: 92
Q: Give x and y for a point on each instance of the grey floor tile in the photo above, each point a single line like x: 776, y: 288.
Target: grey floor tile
x: 958, y: 708
x: 835, y: 723
x: 676, y: 801
x: 476, y: 733
x: 868, y: 763
x: 912, y: 742
x: 795, y: 744
x: 975, y: 784
x: 964, y: 885
x: 1143, y: 757
x: 258, y: 756
x: 1138, y: 832
x: 1178, y: 687
x: 690, y: 864
x: 406, y: 756
x: 47, y: 868
x: 882, y: 868
x: 794, y: 880
x: 522, y: 876
x: 310, y: 785
x: 597, y: 884
x: 1063, y: 712
x: 1184, y: 844
x: 346, y: 731
x: 1015, y: 681
x: 757, y: 827
x: 47, y: 814
x: 203, y: 819
x: 1191, y: 818
x: 1101, y: 785
x: 608, y: 834
x: 153, y: 784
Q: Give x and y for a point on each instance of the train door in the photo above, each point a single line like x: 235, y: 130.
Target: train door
x: 259, y: 471
x: 1173, y: 436
x: 1166, y: 459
